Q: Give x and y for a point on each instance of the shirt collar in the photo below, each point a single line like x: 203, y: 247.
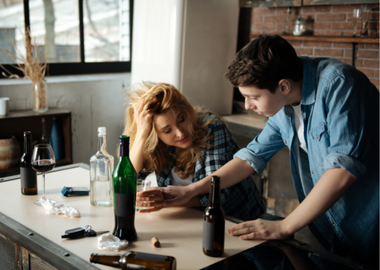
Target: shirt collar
x: 308, y: 85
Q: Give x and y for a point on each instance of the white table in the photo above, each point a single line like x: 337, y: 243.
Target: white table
x: 178, y: 229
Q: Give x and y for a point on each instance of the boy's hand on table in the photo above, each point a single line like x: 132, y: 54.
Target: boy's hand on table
x: 260, y: 229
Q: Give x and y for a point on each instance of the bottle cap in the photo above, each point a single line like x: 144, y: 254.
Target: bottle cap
x: 102, y: 130
x: 215, y: 179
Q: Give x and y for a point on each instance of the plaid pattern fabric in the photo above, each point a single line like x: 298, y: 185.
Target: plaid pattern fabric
x: 242, y: 200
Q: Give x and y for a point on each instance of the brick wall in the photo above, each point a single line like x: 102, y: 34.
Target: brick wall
x: 328, y: 21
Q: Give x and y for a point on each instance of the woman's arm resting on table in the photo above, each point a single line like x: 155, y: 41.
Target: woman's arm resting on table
x: 230, y: 174
x: 332, y: 185
x: 154, y: 198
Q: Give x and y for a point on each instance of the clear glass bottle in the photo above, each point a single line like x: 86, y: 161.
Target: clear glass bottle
x: 101, y: 168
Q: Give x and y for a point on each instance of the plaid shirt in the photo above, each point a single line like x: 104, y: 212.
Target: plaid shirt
x: 242, y: 200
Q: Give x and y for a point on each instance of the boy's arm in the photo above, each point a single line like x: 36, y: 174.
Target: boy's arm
x: 332, y: 185
x: 230, y: 174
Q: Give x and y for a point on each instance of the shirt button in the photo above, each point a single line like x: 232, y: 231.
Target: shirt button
x: 285, y: 142
x: 332, y: 223
x: 312, y: 172
x: 317, y: 136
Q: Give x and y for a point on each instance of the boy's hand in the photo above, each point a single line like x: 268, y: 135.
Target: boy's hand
x: 260, y: 229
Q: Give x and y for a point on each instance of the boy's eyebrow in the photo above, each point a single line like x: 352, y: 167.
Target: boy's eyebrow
x: 251, y: 95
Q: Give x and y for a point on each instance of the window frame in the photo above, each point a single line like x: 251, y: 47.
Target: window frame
x: 78, y: 68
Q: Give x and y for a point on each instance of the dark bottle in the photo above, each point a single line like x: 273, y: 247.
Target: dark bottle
x: 27, y: 174
x: 124, y: 194
x: 213, y: 222
x: 136, y: 260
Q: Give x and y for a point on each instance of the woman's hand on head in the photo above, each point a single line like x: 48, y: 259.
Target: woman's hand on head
x: 152, y: 199
x: 143, y: 118
x: 260, y: 229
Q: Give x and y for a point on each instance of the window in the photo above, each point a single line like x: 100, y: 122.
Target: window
x: 73, y: 36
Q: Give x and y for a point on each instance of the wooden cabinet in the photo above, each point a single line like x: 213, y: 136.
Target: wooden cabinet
x: 16, y: 122
x: 14, y: 256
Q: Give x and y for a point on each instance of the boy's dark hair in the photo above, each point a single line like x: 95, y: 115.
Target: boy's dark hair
x: 264, y: 62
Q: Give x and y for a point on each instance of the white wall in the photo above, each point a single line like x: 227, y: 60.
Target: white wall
x: 188, y: 43
x: 94, y: 101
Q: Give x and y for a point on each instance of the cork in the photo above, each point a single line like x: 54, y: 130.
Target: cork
x: 155, y: 242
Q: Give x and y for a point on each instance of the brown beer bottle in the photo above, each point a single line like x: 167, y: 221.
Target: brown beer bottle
x: 136, y: 260
x: 213, y: 222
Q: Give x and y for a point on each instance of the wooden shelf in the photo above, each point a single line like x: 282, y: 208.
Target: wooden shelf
x: 372, y: 40
x: 16, y: 122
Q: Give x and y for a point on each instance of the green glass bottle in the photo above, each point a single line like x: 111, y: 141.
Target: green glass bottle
x: 124, y: 194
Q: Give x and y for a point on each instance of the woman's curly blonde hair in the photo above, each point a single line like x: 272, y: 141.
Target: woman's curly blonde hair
x: 156, y: 153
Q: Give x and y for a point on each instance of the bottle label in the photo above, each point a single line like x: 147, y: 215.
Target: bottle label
x: 150, y: 257
x: 28, y: 177
x: 124, y: 205
x: 208, y: 235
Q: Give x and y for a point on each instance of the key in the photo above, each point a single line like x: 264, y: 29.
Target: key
x: 74, y: 233
x: 79, y: 232
x: 89, y: 232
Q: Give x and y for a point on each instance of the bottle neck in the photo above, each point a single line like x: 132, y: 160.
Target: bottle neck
x: 214, y: 197
x: 124, y: 148
x: 102, y: 144
x: 109, y: 260
x: 28, y: 145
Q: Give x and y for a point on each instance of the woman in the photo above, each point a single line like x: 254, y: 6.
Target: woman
x: 182, y: 145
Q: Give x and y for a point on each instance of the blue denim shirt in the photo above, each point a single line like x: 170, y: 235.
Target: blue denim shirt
x: 340, y: 109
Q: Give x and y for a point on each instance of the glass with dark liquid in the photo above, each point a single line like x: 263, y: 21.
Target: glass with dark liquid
x: 42, y: 161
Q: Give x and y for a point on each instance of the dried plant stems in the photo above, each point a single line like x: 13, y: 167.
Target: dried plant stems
x: 32, y: 68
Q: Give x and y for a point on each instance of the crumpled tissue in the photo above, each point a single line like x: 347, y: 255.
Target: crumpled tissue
x: 52, y: 207
x: 109, y: 241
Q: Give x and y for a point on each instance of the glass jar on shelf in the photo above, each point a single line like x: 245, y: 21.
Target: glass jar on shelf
x: 299, y: 26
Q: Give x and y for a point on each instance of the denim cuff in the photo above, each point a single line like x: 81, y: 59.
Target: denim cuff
x: 253, y: 160
x: 350, y: 164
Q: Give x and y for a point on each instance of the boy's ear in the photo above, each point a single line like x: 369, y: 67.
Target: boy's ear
x: 284, y: 85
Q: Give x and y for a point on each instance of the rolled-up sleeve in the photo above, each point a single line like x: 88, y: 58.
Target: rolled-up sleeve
x: 350, y: 164
x: 263, y: 147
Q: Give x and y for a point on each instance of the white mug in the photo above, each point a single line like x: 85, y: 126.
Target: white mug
x: 4, y: 105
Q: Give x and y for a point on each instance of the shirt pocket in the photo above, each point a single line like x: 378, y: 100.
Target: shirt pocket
x: 319, y: 139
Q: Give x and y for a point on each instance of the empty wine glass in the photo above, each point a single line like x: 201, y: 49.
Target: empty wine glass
x: 43, y: 160
x: 366, y: 15
x: 355, y: 19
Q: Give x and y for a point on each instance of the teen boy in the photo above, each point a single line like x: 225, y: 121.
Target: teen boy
x: 326, y: 113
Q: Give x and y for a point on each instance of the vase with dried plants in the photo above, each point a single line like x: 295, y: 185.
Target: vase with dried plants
x: 33, y: 69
